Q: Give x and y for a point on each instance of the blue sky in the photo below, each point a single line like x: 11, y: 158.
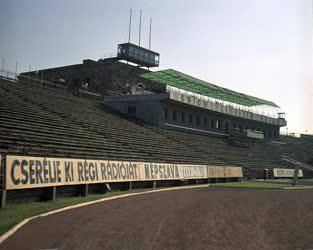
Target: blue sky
x: 258, y: 47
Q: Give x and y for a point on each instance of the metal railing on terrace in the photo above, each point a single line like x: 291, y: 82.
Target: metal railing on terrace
x: 11, y: 76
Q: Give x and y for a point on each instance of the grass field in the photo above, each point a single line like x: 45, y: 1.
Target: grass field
x: 252, y: 184
x: 15, y: 213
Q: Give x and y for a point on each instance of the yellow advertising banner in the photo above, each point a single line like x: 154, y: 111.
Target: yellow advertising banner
x: 233, y: 172
x: 31, y: 172
x: 160, y: 171
x: 216, y: 171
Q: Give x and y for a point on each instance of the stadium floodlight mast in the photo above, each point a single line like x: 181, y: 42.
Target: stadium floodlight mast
x: 2, y: 70
x: 130, y: 24
x: 150, y: 33
x: 30, y: 69
x: 139, y: 27
x: 16, y: 65
x: 139, y: 35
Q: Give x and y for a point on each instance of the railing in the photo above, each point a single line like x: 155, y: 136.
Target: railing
x: 289, y: 134
x: 89, y: 95
x: 8, y: 75
x: 110, y: 55
x: 37, y: 81
x: 140, y: 91
x: 26, y: 79
x: 295, y: 162
x: 113, y: 93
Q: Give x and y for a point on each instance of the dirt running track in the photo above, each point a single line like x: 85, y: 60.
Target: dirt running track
x: 202, y: 218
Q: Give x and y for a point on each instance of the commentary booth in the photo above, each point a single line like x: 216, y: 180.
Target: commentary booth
x: 42, y: 178
x: 172, y: 99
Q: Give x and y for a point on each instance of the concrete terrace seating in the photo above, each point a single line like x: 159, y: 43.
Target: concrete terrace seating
x: 222, y: 153
x: 44, y: 121
x: 301, y: 150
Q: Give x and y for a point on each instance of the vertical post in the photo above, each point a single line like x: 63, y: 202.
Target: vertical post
x: 154, y: 184
x: 1, y: 174
x: 85, y: 190
x: 150, y: 33
x: 2, y: 185
x: 2, y: 69
x: 30, y: 69
x: 3, y: 198
x: 130, y: 185
x: 16, y: 64
x: 130, y: 24
x: 295, y: 176
x: 107, y: 187
x: 140, y: 26
x: 53, y: 194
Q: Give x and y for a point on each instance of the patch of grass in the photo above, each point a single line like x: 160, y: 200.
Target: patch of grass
x: 12, y: 214
x: 252, y: 184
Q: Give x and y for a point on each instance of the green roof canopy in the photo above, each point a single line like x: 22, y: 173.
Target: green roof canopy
x: 182, y: 81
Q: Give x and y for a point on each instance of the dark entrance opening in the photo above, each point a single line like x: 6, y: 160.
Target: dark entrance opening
x: 226, y: 127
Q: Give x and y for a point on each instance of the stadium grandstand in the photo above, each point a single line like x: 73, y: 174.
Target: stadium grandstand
x: 65, y: 128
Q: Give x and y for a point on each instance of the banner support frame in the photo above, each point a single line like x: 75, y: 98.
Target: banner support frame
x: 3, y: 190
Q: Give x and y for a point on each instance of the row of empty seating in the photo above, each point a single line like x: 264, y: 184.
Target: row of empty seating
x: 42, y: 121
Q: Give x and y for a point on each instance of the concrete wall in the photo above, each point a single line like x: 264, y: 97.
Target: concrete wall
x: 226, y: 123
x: 151, y: 108
x: 149, y: 111
x: 102, y: 75
x: 148, y: 107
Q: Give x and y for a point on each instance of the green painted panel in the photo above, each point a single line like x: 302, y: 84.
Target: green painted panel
x: 182, y: 81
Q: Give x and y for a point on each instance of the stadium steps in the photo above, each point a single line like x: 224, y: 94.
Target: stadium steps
x: 140, y: 138
x: 43, y: 121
